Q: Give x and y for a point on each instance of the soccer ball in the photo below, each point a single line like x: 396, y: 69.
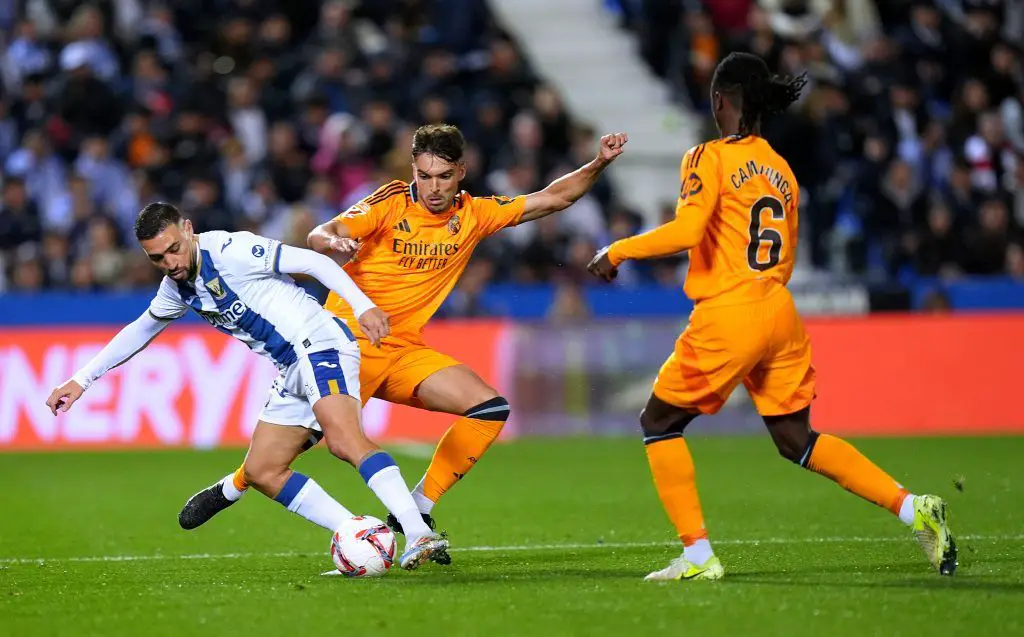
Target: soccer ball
x: 363, y: 546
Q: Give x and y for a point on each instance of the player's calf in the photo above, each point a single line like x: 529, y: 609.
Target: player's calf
x: 460, y: 449
x: 675, y: 479
x: 842, y: 463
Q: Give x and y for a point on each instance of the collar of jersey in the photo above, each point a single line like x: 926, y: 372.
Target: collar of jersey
x: 198, y: 264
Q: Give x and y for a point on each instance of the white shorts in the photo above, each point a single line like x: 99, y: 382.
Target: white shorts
x: 328, y: 363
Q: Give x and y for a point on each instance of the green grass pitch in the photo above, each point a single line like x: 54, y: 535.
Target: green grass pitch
x: 550, y: 537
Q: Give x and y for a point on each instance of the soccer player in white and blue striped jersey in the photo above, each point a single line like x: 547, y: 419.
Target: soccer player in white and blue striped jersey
x: 239, y: 283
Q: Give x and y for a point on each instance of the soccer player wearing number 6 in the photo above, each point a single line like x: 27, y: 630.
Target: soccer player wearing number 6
x: 737, y: 215
x: 239, y: 283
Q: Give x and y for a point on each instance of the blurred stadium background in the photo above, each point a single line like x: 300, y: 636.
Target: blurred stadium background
x: 273, y: 116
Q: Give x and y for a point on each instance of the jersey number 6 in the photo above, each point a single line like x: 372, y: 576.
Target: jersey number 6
x: 757, y: 235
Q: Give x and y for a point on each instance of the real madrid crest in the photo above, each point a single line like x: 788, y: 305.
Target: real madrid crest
x: 454, y: 224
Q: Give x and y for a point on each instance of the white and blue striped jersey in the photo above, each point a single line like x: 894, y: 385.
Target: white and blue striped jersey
x: 239, y: 290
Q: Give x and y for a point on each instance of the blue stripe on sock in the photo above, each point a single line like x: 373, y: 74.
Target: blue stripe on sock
x: 375, y: 463
x: 292, y: 488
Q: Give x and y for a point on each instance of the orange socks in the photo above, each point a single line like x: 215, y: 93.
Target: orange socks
x: 676, y: 482
x: 459, y: 449
x: 839, y: 461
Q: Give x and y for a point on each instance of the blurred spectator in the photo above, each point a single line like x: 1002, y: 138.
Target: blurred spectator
x: 907, y: 144
x: 938, y: 247
x: 247, y: 119
x: 271, y: 121
x: 908, y: 102
x: 987, y: 244
x: 42, y: 170
x: 936, y: 302
x: 570, y: 304
x: 106, y: 257
x: 286, y: 163
x: 1015, y: 261
x: 465, y: 301
x: 26, y: 56
x: 86, y: 105
x: 544, y: 253
x: 57, y: 258
x: 29, y: 274
x: 19, y: 217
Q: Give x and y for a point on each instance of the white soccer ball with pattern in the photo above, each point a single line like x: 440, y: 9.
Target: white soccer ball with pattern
x: 363, y: 547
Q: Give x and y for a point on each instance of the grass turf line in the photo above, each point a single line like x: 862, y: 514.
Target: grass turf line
x: 780, y: 578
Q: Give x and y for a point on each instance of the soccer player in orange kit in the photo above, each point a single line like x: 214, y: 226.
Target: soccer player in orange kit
x: 737, y: 215
x: 414, y: 241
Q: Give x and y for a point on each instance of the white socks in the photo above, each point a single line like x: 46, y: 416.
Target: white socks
x: 317, y: 506
x: 425, y: 504
x: 907, y: 509
x: 391, y: 489
x: 383, y: 476
x: 227, y: 487
x: 698, y: 552
x: 303, y: 496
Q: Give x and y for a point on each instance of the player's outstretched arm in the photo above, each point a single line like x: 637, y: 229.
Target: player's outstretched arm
x: 700, y: 174
x: 671, y: 238
x: 131, y: 340
x: 333, y: 238
x: 564, y: 191
x: 372, y: 319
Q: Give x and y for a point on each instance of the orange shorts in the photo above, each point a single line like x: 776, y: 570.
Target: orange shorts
x: 761, y: 343
x: 394, y: 371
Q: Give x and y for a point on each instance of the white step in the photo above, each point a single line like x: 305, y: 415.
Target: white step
x: 577, y: 47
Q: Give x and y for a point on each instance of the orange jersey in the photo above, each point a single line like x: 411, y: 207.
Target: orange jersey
x: 410, y: 258
x: 736, y: 212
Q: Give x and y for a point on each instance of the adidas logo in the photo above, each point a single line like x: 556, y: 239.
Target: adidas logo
x: 403, y: 225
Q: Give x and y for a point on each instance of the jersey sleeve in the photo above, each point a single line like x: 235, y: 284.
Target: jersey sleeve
x: 370, y: 214
x: 251, y: 255
x: 701, y: 177
x: 167, y: 304
x: 496, y: 213
x: 700, y: 174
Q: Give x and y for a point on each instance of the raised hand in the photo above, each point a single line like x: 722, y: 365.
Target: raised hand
x: 611, y: 146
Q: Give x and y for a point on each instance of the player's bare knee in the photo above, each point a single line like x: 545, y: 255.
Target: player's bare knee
x: 792, y: 435
x: 789, y: 448
x: 663, y: 426
x: 794, y: 443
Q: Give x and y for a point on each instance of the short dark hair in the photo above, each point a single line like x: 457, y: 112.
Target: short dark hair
x: 745, y: 78
x: 443, y: 140
x: 154, y: 219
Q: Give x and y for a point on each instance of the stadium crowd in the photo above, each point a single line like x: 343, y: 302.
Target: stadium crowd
x: 272, y: 116
x: 263, y: 116
x: 909, y: 145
